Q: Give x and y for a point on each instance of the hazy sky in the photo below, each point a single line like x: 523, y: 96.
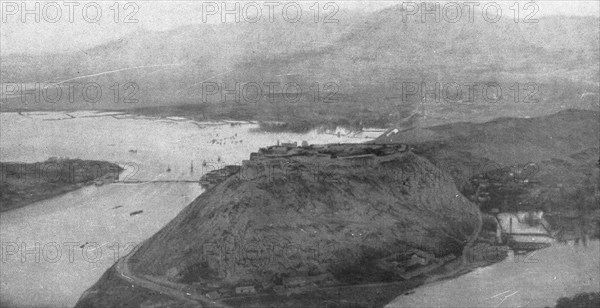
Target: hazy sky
x: 65, y: 33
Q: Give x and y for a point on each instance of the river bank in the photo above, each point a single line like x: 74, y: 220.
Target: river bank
x: 22, y: 184
x: 536, y: 279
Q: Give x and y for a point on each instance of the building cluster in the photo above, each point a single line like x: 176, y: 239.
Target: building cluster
x: 412, y: 262
x: 301, y: 284
x: 407, y: 264
x: 341, y: 152
x: 291, y: 285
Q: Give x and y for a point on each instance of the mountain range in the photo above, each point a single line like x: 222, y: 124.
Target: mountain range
x: 366, y: 56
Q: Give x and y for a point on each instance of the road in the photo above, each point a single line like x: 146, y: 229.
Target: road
x: 464, y: 262
x: 125, y: 273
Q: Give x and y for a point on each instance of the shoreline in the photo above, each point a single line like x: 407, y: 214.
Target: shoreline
x: 510, y: 283
x: 20, y: 187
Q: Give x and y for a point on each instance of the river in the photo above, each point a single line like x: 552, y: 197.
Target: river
x: 55, y: 249
x: 535, y: 279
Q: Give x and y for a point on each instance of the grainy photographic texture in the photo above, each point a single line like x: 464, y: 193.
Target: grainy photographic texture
x: 299, y: 153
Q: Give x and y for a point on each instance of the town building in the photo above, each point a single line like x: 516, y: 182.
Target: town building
x: 245, y: 290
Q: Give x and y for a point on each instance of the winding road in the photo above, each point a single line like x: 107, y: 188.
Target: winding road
x: 125, y: 273
x: 464, y: 255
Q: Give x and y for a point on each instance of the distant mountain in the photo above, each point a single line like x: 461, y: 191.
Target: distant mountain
x: 368, y: 56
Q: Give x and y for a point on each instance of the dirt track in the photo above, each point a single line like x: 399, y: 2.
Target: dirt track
x: 122, y: 268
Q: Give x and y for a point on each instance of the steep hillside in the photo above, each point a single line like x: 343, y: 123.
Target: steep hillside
x: 354, y: 212
x: 510, y: 164
x: 521, y: 140
x: 309, y: 216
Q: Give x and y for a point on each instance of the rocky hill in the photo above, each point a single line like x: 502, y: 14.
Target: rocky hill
x: 353, y: 211
x: 343, y: 211
x: 285, y: 216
